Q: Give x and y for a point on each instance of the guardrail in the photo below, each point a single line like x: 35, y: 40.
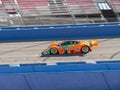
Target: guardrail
x: 60, y: 32
x: 101, y: 75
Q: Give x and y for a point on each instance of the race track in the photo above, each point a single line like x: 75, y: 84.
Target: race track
x: 30, y: 52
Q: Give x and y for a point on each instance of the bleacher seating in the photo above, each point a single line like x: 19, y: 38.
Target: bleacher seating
x: 81, y: 6
x: 116, y: 4
x: 8, y: 4
x: 31, y: 4
x: 34, y: 7
x: 3, y: 19
x: 88, y: 6
x: 45, y: 11
x: 6, y: 1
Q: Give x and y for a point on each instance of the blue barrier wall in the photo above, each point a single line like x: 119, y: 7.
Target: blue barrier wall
x: 60, y: 32
x: 57, y: 26
x: 67, y: 81
x: 60, y: 67
x: 104, y: 80
x: 113, y: 79
x: 13, y: 82
x: 102, y: 75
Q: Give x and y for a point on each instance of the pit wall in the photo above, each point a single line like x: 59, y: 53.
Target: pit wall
x: 70, y: 31
x: 100, y: 75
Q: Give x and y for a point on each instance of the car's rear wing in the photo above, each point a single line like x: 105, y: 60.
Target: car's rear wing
x: 94, y: 42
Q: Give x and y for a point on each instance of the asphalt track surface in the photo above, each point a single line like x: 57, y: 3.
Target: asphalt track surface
x: 30, y: 52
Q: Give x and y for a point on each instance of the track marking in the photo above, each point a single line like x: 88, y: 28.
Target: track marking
x: 45, y: 59
x: 23, y: 48
x: 114, y: 55
x: 105, y: 40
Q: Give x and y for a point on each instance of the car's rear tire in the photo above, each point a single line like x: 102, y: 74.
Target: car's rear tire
x: 85, y: 49
x: 53, y: 51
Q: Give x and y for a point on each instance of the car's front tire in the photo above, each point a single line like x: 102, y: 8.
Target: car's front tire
x: 85, y: 49
x: 53, y: 51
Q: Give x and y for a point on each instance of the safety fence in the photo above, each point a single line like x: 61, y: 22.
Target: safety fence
x: 60, y: 32
x: 100, y: 75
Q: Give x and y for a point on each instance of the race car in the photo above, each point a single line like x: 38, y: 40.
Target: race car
x: 70, y: 47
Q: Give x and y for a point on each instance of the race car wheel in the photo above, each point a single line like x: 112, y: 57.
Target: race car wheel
x: 53, y: 51
x: 85, y: 49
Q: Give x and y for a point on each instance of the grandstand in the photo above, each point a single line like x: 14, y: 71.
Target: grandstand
x: 41, y: 12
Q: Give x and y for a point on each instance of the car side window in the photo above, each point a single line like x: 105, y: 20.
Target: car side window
x: 67, y: 42
x: 75, y: 42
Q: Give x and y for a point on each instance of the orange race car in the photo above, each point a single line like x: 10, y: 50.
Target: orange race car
x: 70, y: 47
